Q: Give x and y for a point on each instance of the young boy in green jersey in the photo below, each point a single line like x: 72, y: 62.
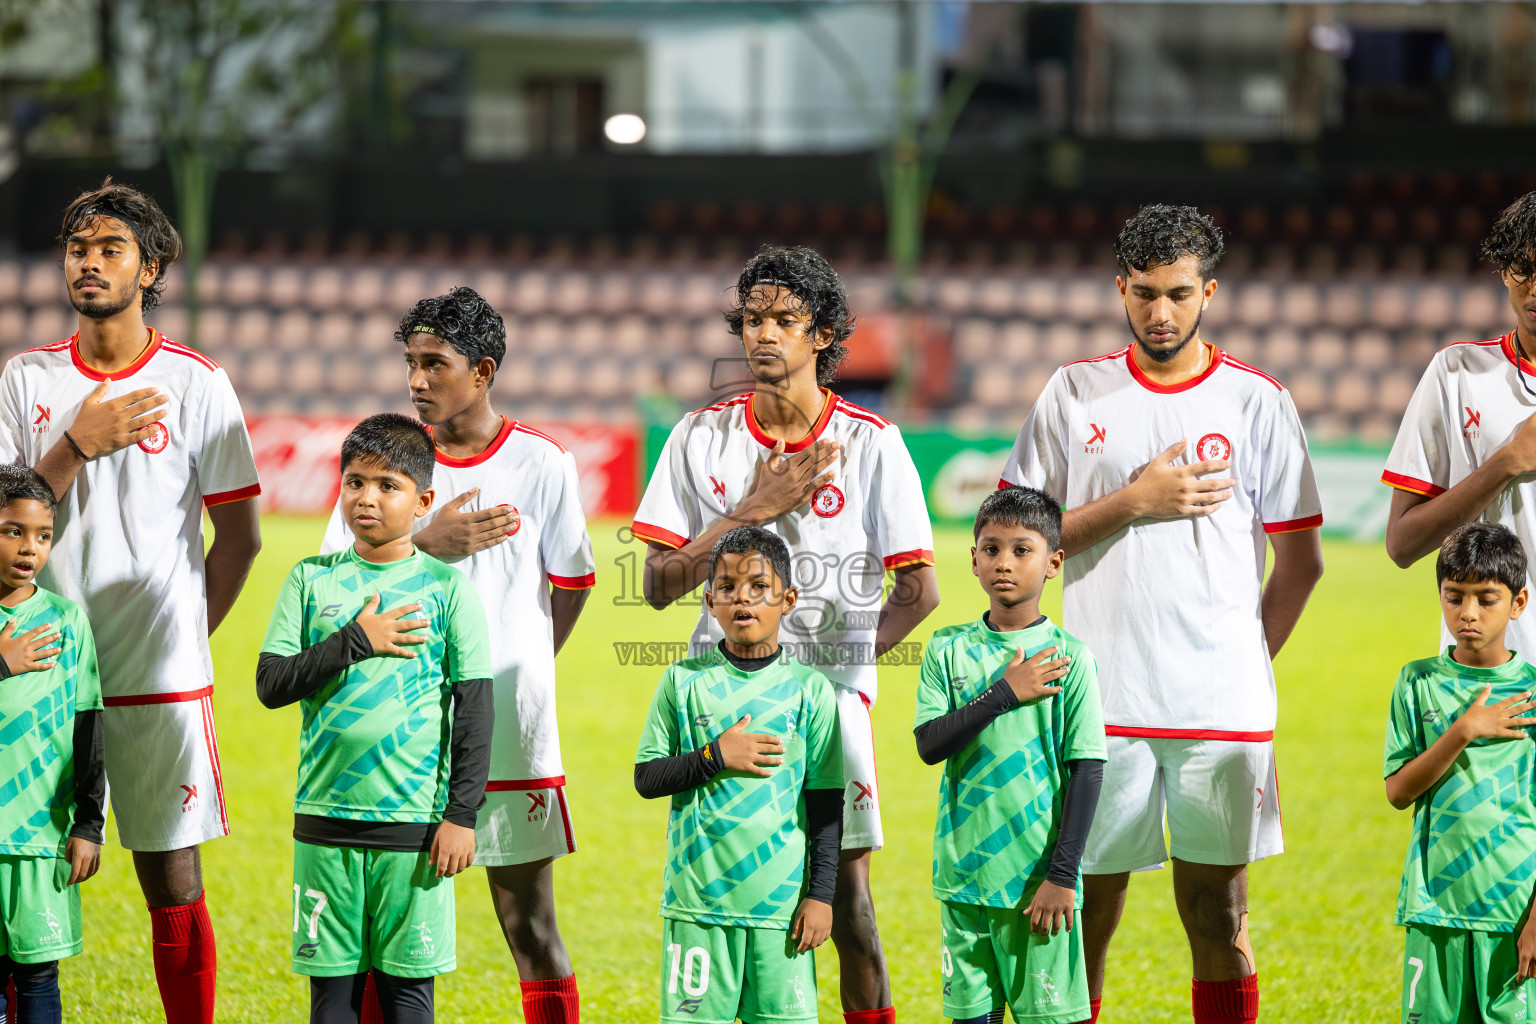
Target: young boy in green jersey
x: 1010, y: 704
x: 756, y: 820
x: 51, y: 758
x: 1459, y: 753
x: 394, y: 745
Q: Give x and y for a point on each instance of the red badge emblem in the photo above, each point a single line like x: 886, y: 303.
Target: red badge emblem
x: 827, y: 501
x: 1213, y: 447
x: 158, y: 438
x: 517, y: 524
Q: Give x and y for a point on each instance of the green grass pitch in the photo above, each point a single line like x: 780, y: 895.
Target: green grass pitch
x: 1321, y: 914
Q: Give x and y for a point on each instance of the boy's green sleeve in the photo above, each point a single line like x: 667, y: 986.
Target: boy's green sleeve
x: 824, y: 741
x: 87, y: 674
x: 285, y: 630
x: 1404, y: 741
x: 932, y: 688
x: 660, y: 737
x: 466, y: 632
x: 1082, y: 713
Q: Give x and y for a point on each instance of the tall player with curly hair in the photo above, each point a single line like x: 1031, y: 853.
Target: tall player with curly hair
x: 137, y: 436
x: 515, y: 527
x: 1164, y: 580
x: 835, y: 482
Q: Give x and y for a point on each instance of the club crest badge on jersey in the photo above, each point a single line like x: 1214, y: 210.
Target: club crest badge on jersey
x: 827, y: 501
x: 1212, y: 447
x: 157, y: 440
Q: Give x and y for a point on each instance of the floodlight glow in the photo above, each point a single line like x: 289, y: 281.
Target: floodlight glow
x: 624, y: 129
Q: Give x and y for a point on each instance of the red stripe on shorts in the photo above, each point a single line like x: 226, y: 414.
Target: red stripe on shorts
x: 565, y: 817
x: 1188, y: 734
x: 158, y: 698
x: 210, y: 736
x: 518, y: 785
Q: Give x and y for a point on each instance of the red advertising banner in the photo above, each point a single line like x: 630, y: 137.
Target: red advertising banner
x: 296, y: 457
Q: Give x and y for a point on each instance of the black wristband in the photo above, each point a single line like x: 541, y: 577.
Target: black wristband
x: 83, y: 457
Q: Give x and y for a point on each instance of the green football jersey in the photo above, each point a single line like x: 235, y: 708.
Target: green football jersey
x: 1000, y: 799
x: 373, y: 744
x: 736, y: 845
x: 1472, y: 857
x: 37, y: 729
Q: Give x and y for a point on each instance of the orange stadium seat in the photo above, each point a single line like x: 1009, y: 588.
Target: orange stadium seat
x: 1482, y: 309
x: 294, y: 330
x: 1370, y: 349
x: 1039, y: 297
x: 1019, y: 341
x: 1352, y: 393
x: 1255, y: 303
x: 1343, y: 305
x: 1325, y: 350
x: 996, y: 296
x: 10, y: 282
x: 1434, y: 307
x: 42, y: 284
x: 973, y: 340
x: 48, y: 324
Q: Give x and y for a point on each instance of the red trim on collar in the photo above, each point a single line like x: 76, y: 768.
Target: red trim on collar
x: 1507, y: 343
x: 507, y: 426
x: 1217, y: 355
x: 829, y: 405
x: 155, y: 341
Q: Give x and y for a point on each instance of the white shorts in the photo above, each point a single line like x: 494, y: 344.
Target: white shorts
x: 522, y: 822
x: 163, y: 770
x: 1221, y: 798
x: 861, y: 790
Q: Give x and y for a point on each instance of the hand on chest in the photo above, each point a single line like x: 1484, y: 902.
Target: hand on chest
x: 718, y: 488
x: 1111, y: 448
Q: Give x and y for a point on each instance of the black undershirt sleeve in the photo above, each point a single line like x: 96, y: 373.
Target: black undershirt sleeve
x: 282, y: 679
x: 90, y: 778
x: 942, y: 737
x: 469, y: 765
x: 1077, y: 807
x: 824, y: 842
x: 667, y: 776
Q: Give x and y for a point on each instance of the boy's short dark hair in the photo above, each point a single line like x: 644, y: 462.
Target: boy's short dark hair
x: 1511, y: 244
x: 152, y: 229
x: 1022, y: 506
x: 398, y: 443
x: 741, y: 539
x: 1160, y: 234
x: 1482, y: 551
x: 463, y: 320
x: 23, y: 483
x: 806, y: 275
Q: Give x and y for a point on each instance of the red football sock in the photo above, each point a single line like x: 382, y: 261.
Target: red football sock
x: 1093, y: 1011
x: 1226, y: 1002
x: 884, y: 1015
x: 373, y: 1012
x: 186, y: 961
x: 551, y: 1002
x: 9, y: 1016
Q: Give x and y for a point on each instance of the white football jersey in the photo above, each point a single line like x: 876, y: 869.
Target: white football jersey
x: 1468, y: 405
x: 871, y: 517
x: 128, y: 543
x: 1170, y: 607
x: 533, y: 473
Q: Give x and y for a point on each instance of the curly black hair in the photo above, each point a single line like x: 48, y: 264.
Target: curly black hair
x: 1479, y: 551
x: 18, y: 483
x: 1511, y: 245
x: 807, y: 275
x: 1160, y: 234
x: 1023, y: 507
x: 463, y: 319
x: 159, y: 244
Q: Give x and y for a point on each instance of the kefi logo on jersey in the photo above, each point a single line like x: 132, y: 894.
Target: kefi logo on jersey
x: 158, y: 438
x: 1212, y: 447
x: 827, y: 501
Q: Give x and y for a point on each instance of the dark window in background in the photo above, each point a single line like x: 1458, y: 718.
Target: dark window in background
x: 1397, y: 75
x: 565, y: 116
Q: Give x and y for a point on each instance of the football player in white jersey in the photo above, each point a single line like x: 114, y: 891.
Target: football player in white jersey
x: 516, y: 529
x: 1164, y: 580
x: 1466, y: 448
x: 837, y: 484
x: 137, y: 435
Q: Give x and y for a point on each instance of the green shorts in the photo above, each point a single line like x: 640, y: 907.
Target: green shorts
x: 39, y: 910
x: 715, y: 973
x: 1452, y: 975
x: 356, y: 909
x: 990, y: 957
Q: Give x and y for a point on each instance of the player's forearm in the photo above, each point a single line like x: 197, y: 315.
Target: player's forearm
x: 1078, y: 805
x: 564, y: 609
x: 59, y: 466
x: 668, y: 776
x: 469, y: 750
x: 90, y: 777
x: 671, y: 573
x: 1298, y: 567
x: 283, y: 679
x: 941, y: 738
x: 236, y: 542
x: 823, y: 842
x: 1086, y: 525
x: 1416, y: 527
x: 1424, y: 772
x: 914, y: 595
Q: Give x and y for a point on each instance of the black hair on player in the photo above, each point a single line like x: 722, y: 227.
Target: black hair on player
x: 159, y: 244
x: 1160, y: 234
x: 23, y: 483
x: 463, y: 320
x: 1024, y: 507
x: 806, y: 275
x: 1511, y: 245
x: 741, y: 539
x: 398, y: 443
x: 1481, y: 551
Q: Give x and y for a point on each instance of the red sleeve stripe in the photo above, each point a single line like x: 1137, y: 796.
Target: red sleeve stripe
x: 1189, y: 734
x: 225, y: 497
x: 1295, y: 525
x: 917, y: 556
x: 858, y: 412
x: 182, y: 350
x: 137, y: 699
x: 1240, y: 365
x: 573, y: 582
x: 524, y: 428
x: 520, y: 785
x: 1408, y: 483
x: 1001, y: 483
x: 655, y: 534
